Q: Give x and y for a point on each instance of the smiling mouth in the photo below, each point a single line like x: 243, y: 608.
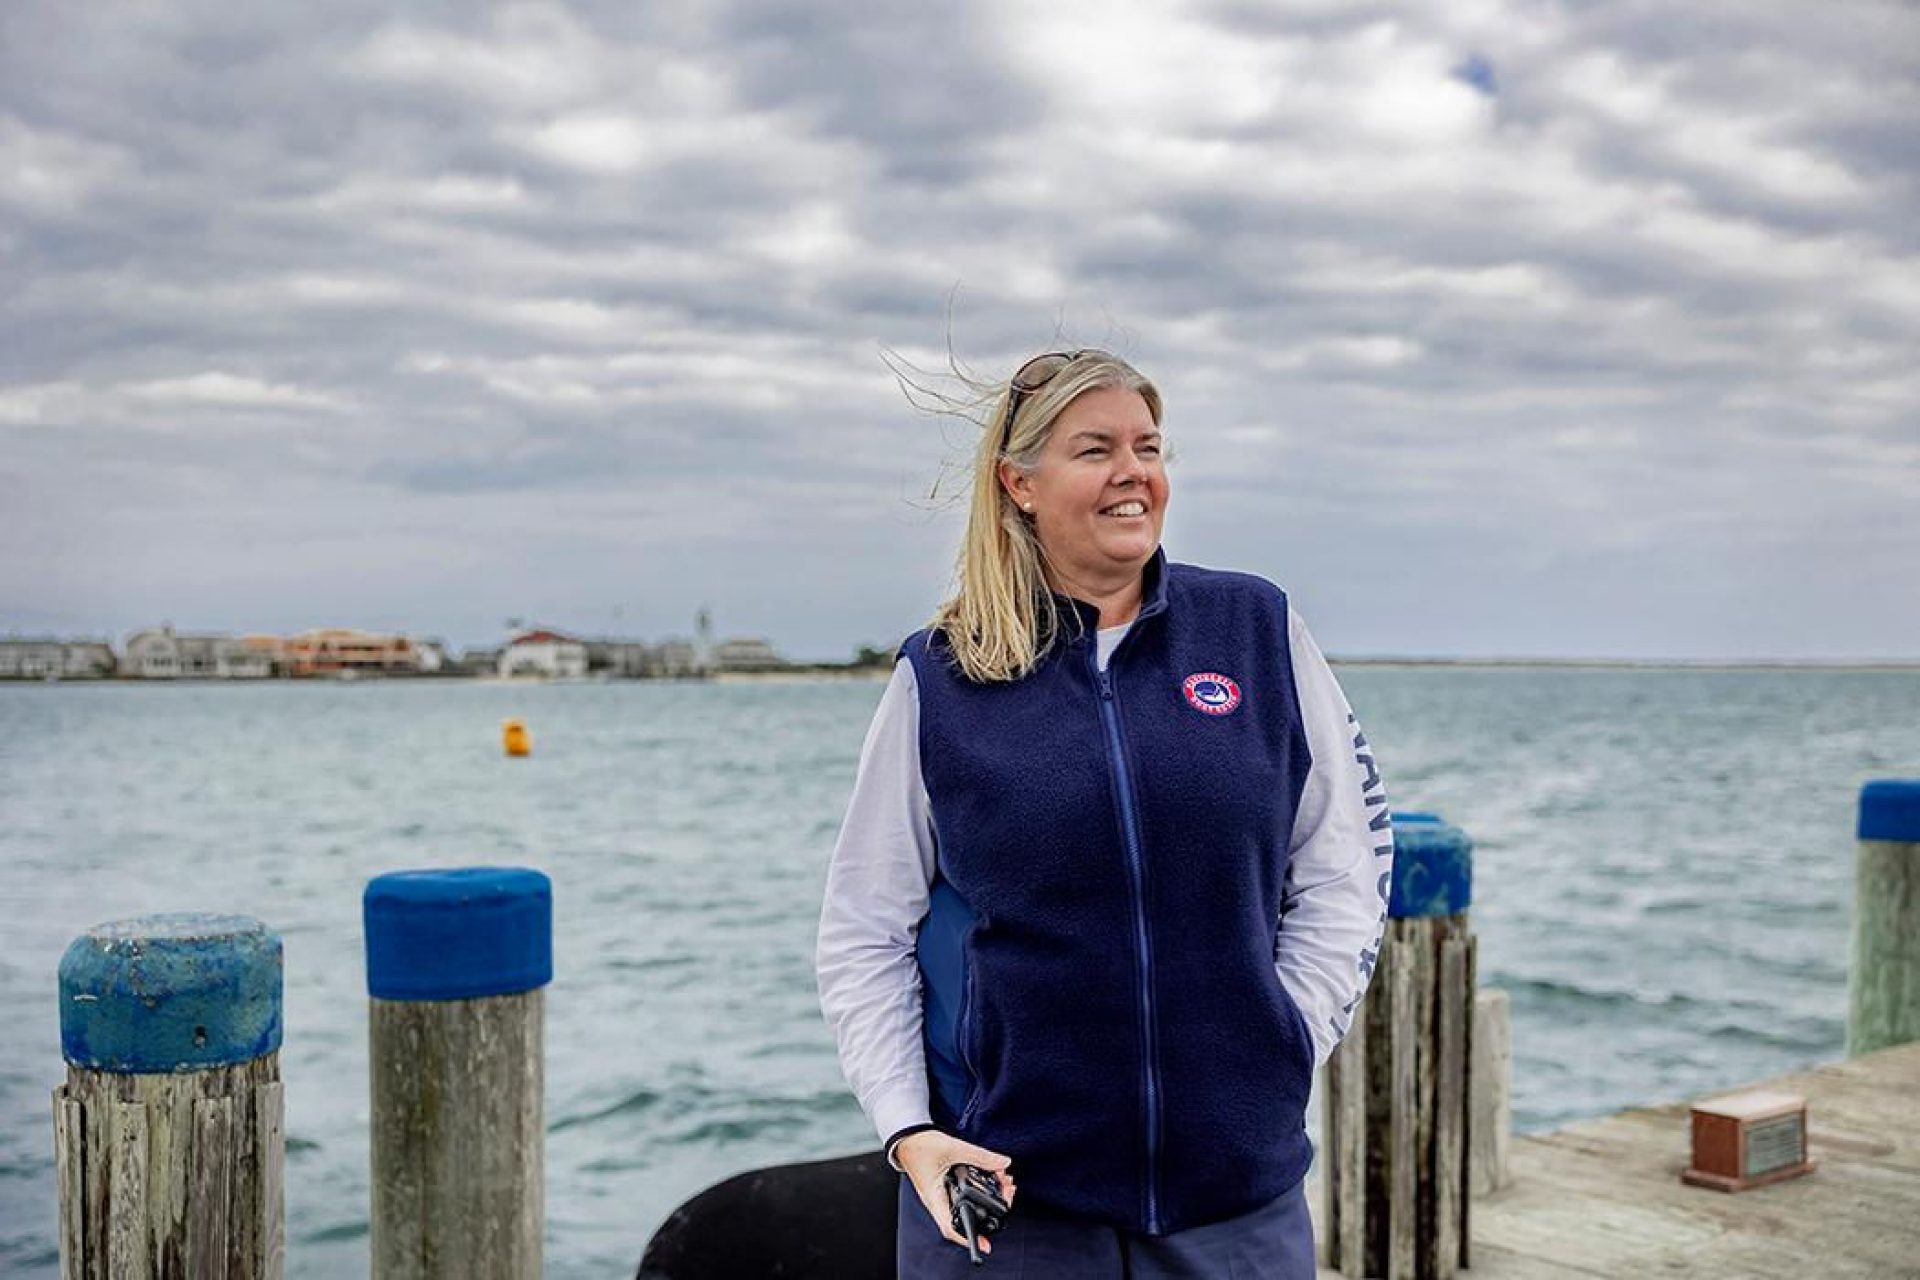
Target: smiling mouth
x: 1131, y: 507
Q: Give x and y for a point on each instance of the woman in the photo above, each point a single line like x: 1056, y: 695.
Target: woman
x: 1113, y: 875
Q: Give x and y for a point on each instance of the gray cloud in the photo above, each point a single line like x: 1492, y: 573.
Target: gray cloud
x: 1588, y: 329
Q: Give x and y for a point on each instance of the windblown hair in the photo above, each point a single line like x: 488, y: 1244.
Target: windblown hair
x: 1002, y: 619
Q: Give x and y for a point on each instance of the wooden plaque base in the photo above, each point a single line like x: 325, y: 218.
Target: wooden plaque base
x: 1747, y: 1140
x: 1720, y: 1182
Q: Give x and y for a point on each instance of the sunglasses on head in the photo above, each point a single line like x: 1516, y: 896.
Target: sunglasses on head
x: 1030, y: 377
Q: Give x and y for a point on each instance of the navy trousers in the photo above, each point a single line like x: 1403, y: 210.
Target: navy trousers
x: 1273, y: 1242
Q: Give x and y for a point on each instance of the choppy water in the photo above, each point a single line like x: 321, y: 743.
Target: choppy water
x: 1664, y: 884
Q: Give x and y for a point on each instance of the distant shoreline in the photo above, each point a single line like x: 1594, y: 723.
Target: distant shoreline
x: 1637, y: 664
x: 801, y: 674
x: 1472, y: 664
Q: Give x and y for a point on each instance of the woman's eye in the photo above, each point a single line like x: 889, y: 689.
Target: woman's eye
x: 1092, y: 453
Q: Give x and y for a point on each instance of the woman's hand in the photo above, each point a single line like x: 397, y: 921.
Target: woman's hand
x: 928, y: 1154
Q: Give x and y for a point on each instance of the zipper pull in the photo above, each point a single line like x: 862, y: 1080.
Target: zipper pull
x: 1106, y: 685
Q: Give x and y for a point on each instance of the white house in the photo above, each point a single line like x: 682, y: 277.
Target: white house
x: 432, y: 656
x: 153, y: 655
x: 544, y: 653
x: 163, y: 654
x: 89, y: 659
x: 746, y: 653
x: 678, y: 659
x: 22, y: 659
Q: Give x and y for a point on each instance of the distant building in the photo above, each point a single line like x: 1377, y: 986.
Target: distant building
x: 161, y: 653
x: 152, y: 655
x: 49, y: 659
x: 746, y: 653
x: 271, y: 648
x: 431, y: 657
x: 480, y: 662
x: 342, y: 650
x: 32, y: 659
x: 677, y: 659
x: 626, y: 659
x: 544, y: 653
x: 224, y: 658
x: 89, y: 660
x: 198, y: 656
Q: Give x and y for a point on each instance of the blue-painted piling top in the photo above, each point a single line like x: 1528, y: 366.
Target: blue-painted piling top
x: 458, y: 934
x: 173, y: 992
x: 1890, y: 810
x: 1432, y: 867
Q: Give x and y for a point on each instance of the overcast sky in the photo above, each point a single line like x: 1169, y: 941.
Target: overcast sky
x: 1484, y: 328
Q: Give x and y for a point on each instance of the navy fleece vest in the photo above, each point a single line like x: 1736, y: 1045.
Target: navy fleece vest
x: 1100, y: 995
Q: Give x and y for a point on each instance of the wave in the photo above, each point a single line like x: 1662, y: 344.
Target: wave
x: 737, y: 1129
x: 1800, y: 1035
x: 1755, y: 1023
x: 635, y: 1103
x: 1548, y: 991
x: 339, y: 1231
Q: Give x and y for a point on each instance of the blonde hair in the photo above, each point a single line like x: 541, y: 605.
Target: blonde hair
x: 1002, y: 618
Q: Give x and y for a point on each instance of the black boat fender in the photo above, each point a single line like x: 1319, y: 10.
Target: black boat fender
x: 822, y: 1220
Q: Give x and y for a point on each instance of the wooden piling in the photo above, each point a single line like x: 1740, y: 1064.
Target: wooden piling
x: 1344, y: 1136
x: 456, y: 966
x: 1398, y: 1122
x: 167, y: 1133
x: 1491, y: 1087
x: 1883, y: 983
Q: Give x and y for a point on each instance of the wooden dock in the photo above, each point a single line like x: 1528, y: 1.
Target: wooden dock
x: 1604, y: 1197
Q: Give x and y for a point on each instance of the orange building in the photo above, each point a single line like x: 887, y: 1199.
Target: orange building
x: 333, y: 650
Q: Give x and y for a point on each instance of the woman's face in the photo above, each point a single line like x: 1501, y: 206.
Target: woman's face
x: 1099, y: 493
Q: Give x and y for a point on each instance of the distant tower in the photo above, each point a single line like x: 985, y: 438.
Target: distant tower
x: 703, y: 639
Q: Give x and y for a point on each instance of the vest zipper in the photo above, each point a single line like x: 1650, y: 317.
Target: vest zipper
x: 964, y: 1039
x: 1130, y: 833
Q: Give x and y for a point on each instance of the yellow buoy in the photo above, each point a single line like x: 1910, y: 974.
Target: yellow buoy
x: 514, y: 737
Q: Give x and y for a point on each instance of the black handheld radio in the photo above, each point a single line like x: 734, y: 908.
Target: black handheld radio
x: 978, y: 1209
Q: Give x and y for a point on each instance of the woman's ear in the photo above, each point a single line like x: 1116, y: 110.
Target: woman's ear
x: 1016, y: 483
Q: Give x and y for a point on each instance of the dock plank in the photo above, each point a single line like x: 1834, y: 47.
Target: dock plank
x: 1603, y: 1197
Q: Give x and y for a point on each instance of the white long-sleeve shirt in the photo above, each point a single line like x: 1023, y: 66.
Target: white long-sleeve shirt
x: 1326, y: 941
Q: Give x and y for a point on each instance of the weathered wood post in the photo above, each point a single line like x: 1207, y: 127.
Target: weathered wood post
x: 456, y: 966
x: 1883, y: 983
x: 1398, y: 1089
x: 168, y: 1147
x: 1490, y: 1089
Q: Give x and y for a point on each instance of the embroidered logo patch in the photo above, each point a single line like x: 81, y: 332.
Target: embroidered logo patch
x: 1211, y: 692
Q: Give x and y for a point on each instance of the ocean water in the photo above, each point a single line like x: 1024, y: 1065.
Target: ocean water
x: 1663, y: 883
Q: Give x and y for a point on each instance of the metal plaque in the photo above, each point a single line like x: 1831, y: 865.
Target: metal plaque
x: 1774, y: 1144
